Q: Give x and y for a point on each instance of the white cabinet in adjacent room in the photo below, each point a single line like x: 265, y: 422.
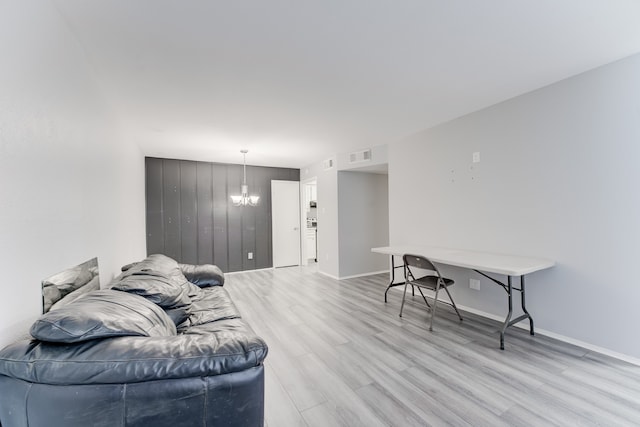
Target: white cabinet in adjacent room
x: 310, y: 240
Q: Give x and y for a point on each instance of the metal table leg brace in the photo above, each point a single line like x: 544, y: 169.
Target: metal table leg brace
x: 393, y: 278
x: 509, y: 289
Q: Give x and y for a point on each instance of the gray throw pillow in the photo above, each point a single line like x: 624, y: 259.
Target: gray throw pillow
x: 101, y: 314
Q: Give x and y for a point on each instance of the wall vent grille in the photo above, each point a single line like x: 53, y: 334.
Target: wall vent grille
x: 360, y: 156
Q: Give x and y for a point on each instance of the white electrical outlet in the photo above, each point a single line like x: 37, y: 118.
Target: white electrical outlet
x: 476, y: 157
x: 474, y: 284
x: 250, y: 255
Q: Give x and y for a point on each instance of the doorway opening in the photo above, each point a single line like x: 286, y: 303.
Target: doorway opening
x: 309, y: 212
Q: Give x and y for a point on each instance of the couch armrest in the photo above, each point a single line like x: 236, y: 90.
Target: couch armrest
x: 203, y: 275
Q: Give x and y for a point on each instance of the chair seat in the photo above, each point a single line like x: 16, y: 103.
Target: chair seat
x: 430, y: 282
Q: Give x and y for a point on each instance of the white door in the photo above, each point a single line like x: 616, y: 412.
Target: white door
x: 285, y: 220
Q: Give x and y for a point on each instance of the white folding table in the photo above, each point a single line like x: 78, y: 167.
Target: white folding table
x: 482, y: 263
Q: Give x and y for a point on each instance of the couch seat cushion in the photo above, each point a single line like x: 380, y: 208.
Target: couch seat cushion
x: 210, y: 305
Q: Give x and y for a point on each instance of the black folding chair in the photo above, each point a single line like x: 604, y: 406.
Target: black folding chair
x: 432, y: 281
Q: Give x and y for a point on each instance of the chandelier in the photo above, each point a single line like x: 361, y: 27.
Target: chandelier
x: 244, y: 199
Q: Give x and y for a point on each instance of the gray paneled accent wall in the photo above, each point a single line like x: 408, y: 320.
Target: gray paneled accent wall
x: 190, y: 216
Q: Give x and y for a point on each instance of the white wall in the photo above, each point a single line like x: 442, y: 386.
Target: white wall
x: 329, y: 239
x: 71, y: 187
x: 558, y: 178
x: 363, y: 222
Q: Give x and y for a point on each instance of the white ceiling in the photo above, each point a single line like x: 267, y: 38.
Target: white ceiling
x: 296, y: 81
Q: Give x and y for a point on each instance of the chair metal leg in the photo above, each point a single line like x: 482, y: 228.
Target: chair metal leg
x: 453, y: 304
x: 404, y: 294
x: 424, y: 298
x: 433, y: 310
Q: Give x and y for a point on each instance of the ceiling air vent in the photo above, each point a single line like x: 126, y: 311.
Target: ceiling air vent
x: 327, y: 164
x: 360, y: 156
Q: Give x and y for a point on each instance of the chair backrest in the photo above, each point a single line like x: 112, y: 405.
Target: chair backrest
x: 418, y: 261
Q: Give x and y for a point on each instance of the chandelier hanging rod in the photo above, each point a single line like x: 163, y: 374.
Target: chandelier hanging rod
x: 244, y: 199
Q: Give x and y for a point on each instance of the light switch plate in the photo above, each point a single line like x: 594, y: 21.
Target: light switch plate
x: 474, y: 284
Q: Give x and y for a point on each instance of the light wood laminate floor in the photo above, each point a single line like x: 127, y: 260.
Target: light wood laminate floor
x: 340, y: 356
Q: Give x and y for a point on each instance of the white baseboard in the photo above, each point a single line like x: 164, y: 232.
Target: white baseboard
x: 329, y: 275
x: 550, y: 334
x: 362, y: 275
x: 352, y: 276
x: 231, y: 273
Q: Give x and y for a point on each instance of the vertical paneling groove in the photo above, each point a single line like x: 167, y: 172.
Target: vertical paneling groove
x: 212, y: 214
x: 153, y: 191
x: 191, y: 219
x: 220, y: 225
x: 171, y: 208
x: 188, y: 212
x: 263, y: 218
x: 249, y: 227
x: 234, y: 219
x: 204, y: 200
